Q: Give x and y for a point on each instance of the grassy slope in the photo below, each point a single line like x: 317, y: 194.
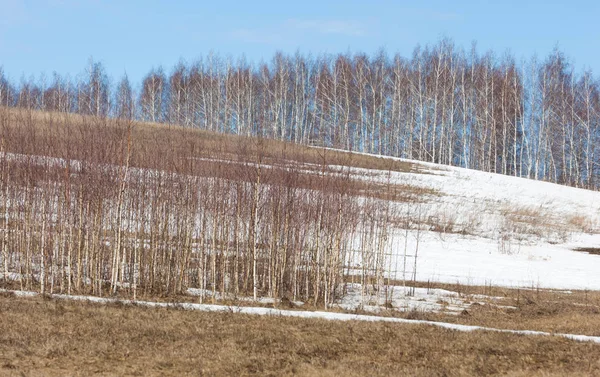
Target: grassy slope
x: 61, y: 134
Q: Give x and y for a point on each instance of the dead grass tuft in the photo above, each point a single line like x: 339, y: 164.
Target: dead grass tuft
x: 582, y: 223
x: 589, y: 250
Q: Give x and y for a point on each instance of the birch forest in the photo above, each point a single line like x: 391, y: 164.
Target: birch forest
x: 536, y: 118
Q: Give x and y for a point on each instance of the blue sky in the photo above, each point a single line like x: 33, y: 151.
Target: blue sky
x: 134, y: 36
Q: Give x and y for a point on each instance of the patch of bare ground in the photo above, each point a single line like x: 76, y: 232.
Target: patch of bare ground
x: 555, y: 311
x: 43, y: 337
x: 589, y: 250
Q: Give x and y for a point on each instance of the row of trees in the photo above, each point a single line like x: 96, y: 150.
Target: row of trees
x: 81, y: 217
x: 538, y: 119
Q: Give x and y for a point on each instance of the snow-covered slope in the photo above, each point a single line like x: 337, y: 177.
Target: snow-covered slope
x: 491, y: 229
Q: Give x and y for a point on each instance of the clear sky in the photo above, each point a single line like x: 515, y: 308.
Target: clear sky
x: 134, y: 36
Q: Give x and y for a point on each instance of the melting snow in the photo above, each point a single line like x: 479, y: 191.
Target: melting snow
x: 308, y: 314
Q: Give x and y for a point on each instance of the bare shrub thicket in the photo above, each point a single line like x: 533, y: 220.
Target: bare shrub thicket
x: 526, y: 223
x: 582, y: 223
x: 98, y: 207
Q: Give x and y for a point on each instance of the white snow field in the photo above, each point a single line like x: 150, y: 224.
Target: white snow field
x: 492, y: 229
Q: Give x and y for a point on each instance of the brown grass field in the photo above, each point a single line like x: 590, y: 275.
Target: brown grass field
x: 46, y: 337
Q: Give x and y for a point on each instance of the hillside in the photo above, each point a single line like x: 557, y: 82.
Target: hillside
x: 113, y: 207
x: 291, y: 189
x: 143, y: 236
x: 490, y: 229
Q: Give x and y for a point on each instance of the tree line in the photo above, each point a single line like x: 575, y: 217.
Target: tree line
x: 537, y: 118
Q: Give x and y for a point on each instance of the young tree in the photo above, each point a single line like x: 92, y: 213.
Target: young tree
x: 124, y: 100
x: 152, y: 96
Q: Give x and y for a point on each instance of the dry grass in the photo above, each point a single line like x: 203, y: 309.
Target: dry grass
x: 42, y: 337
x: 57, y: 130
x: 582, y: 223
x: 573, y: 312
x: 554, y: 311
x: 589, y: 250
x: 520, y: 221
